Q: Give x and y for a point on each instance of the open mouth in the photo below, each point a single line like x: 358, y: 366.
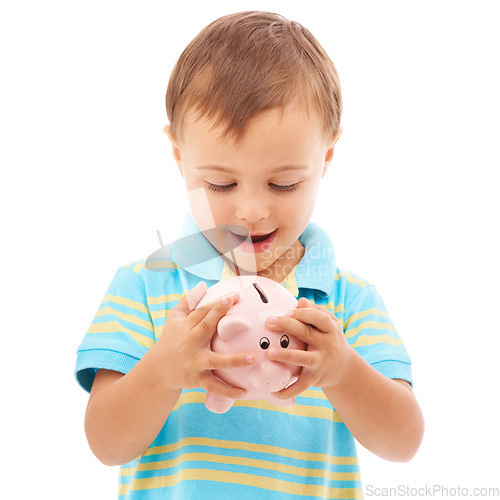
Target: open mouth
x: 260, y: 238
x: 255, y: 243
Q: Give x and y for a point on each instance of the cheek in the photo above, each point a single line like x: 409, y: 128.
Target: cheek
x: 219, y: 212
x: 205, y: 211
x: 301, y: 204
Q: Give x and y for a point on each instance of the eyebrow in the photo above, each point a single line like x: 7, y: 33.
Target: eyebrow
x: 282, y: 168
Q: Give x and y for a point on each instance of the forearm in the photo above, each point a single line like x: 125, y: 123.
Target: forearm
x: 382, y: 414
x: 125, y: 416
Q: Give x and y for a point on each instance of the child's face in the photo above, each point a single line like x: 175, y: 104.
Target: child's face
x: 266, y: 184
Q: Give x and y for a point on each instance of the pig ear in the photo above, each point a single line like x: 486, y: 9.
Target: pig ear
x: 229, y: 326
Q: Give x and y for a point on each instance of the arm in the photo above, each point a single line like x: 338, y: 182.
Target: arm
x: 382, y: 414
x: 125, y: 413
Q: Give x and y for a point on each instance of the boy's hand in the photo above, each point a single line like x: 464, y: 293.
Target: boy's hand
x: 328, y: 352
x: 184, y: 346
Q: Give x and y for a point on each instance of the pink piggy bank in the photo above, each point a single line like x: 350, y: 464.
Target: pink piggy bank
x: 243, y: 329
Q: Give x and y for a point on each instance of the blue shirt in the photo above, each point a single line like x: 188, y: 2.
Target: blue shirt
x: 255, y: 450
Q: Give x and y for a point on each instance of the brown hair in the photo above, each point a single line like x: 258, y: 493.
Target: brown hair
x: 249, y: 62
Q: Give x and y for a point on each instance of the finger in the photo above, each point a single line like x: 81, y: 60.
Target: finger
x: 190, y: 299
x: 210, y: 315
x: 215, y: 361
x: 219, y: 388
x: 301, y: 385
x: 303, y: 303
x: 195, y: 295
x: 223, y: 304
x: 302, y: 331
x: 298, y: 357
x: 318, y: 318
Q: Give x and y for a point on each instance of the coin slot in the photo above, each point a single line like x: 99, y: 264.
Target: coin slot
x: 261, y: 293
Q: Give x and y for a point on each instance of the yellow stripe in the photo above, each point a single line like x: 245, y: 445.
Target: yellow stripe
x: 163, y: 299
x: 267, y: 483
x: 137, y: 267
x: 314, y: 393
x: 126, y: 317
x: 248, y: 462
x: 365, y: 340
x: 158, y: 332
x: 333, y: 308
x: 375, y: 325
x: 363, y: 314
x: 117, y: 299
x: 296, y: 410
x: 160, y: 263
x: 115, y: 326
x: 351, y: 278
x: 161, y: 314
x: 330, y: 306
x: 253, y: 447
x: 226, y: 272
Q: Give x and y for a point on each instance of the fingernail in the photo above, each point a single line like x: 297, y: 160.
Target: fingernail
x: 290, y: 313
x: 225, y: 301
x: 243, y: 394
x: 272, y: 320
x: 273, y: 353
x: 250, y: 359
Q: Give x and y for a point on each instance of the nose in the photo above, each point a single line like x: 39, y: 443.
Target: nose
x: 252, y: 207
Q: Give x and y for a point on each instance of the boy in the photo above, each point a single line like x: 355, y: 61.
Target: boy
x: 254, y: 108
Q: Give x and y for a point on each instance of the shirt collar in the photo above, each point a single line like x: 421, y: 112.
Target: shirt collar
x: 316, y: 269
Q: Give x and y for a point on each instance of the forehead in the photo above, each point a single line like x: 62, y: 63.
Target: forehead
x: 288, y: 127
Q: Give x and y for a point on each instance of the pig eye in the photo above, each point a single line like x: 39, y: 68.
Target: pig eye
x: 264, y: 343
x: 284, y: 341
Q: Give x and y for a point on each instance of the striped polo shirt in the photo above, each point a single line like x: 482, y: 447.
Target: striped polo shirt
x: 256, y: 450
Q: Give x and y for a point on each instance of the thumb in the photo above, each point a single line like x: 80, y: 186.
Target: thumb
x: 303, y: 302
x: 190, y: 300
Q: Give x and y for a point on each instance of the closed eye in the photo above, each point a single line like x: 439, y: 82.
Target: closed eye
x: 219, y: 187
x: 274, y: 187
x: 289, y: 187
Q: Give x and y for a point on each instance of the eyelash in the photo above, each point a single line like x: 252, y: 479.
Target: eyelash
x: 275, y: 187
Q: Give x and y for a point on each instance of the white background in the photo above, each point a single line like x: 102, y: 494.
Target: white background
x: 411, y: 204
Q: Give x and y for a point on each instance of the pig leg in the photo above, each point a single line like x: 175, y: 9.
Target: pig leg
x: 218, y: 404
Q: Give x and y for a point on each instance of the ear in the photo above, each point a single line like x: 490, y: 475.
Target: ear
x: 229, y: 326
x: 176, y: 152
x: 330, y: 150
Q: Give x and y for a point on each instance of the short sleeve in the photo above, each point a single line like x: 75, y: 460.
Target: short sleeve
x: 121, y: 331
x: 371, y: 332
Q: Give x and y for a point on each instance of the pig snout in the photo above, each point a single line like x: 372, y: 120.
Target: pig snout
x: 270, y: 377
